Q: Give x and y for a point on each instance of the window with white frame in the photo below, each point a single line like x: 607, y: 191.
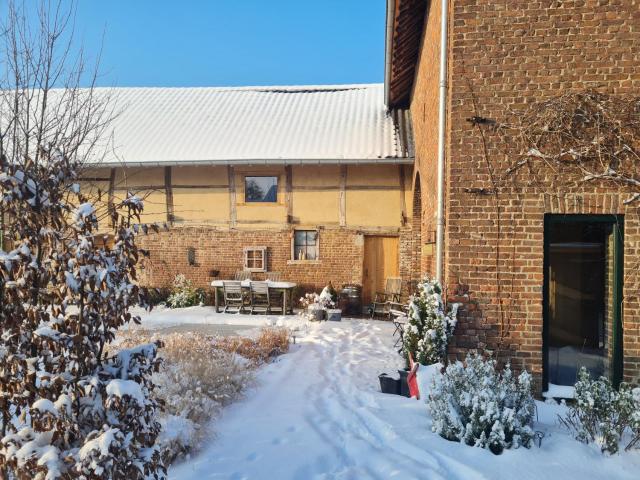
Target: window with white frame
x: 255, y: 259
x: 305, y: 245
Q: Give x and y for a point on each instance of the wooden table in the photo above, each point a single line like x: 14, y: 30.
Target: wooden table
x: 285, y: 287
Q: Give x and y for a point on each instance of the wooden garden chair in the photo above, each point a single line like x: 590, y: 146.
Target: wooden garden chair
x: 273, y: 276
x: 242, y: 275
x: 233, y: 298
x: 382, y: 300
x: 276, y: 297
x: 259, y: 294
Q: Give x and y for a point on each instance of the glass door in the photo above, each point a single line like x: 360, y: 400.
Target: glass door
x: 582, y: 297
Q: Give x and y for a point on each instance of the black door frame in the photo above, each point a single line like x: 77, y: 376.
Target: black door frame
x: 617, y: 221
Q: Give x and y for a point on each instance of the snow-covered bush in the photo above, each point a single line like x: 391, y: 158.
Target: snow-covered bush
x: 430, y: 326
x: 312, y: 301
x: 67, y: 409
x: 331, y: 294
x: 184, y: 294
x: 602, y: 414
x: 635, y: 420
x: 476, y: 404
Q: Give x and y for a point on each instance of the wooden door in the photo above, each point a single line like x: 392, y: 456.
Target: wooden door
x: 381, y: 261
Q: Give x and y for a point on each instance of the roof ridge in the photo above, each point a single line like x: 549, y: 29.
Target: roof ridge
x: 262, y: 88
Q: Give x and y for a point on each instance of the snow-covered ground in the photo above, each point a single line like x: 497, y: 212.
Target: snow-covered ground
x: 317, y: 413
x: 205, y: 320
x: 162, y: 317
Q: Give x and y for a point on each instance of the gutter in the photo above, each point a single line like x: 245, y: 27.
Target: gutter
x: 256, y: 161
x: 388, y: 40
x: 442, y: 118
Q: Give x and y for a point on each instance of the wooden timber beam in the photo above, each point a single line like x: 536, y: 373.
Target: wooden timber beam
x: 343, y: 196
x: 110, y: 196
x: 288, y: 192
x: 231, y: 172
x: 168, y: 193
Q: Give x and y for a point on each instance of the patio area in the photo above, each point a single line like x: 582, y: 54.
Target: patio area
x: 248, y: 296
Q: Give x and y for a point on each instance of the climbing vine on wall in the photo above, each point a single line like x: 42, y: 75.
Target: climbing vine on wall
x: 590, y: 135
x: 573, y: 141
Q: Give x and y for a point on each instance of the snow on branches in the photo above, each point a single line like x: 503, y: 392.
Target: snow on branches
x: 64, y: 289
x: 476, y: 404
x: 67, y: 410
x: 430, y: 327
x: 604, y: 415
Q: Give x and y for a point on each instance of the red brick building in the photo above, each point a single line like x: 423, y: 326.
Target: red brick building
x: 548, y: 276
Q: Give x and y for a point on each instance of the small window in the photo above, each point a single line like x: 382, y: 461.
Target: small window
x: 305, y: 245
x: 260, y: 189
x: 255, y: 259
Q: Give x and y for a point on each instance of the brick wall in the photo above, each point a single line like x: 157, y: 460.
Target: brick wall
x: 504, y: 55
x: 424, y: 117
x: 341, y: 255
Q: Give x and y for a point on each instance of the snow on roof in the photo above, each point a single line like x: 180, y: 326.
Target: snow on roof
x: 253, y: 125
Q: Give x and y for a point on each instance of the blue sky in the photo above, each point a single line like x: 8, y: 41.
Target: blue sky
x: 235, y: 42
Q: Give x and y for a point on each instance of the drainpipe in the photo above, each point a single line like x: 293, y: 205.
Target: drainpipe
x: 391, y: 13
x: 441, y: 139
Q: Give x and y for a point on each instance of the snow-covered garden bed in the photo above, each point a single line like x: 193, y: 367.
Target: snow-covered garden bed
x: 198, y: 376
x: 317, y: 412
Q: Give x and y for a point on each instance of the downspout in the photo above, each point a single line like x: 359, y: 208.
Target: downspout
x: 391, y: 13
x: 442, y: 118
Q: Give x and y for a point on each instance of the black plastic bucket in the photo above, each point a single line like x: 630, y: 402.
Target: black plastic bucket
x: 389, y: 384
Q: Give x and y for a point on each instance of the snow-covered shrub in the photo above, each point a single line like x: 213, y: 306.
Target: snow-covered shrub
x: 67, y: 408
x: 430, y: 326
x: 332, y: 294
x: 309, y: 299
x: 312, y: 301
x: 602, y: 414
x: 184, y: 294
x: 196, y: 379
x: 635, y: 420
x: 476, y: 404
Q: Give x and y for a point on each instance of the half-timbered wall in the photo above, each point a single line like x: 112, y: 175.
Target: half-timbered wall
x: 203, y: 207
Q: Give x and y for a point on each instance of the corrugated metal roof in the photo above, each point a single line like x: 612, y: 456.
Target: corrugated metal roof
x: 318, y: 124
